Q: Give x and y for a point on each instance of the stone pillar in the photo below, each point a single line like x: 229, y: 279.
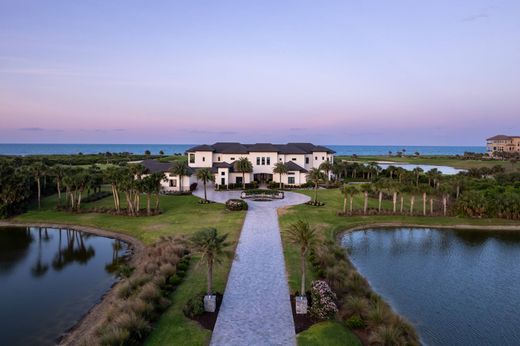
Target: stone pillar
x: 210, y: 303
x: 301, y: 305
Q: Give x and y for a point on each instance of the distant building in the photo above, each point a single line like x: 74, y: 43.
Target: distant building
x: 503, y: 143
x: 222, y: 159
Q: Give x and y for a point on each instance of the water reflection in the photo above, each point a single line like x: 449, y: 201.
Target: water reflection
x: 459, y: 287
x: 49, y: 278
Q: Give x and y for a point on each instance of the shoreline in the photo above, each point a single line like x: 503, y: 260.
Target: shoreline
x: 91, y: 318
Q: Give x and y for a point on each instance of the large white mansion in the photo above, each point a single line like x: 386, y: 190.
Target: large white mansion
x: 222, y: 159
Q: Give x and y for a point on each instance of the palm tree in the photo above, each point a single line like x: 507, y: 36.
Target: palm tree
x: 205, y: 175
x: 315, y: 176
x: 58, y: 171
x: 348, y: 191
x: 417, y: 171
x: 326, y: 167
x: 366, y: 189
x: 302, y: 234
x: 424, y: 190
x: 212, y: 248
x: 244, y: 166
x: 181, y: 169
x: 280, y: 168
x: 38, y: 170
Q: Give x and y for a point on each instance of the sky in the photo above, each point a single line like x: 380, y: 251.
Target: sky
x: 444, y: 72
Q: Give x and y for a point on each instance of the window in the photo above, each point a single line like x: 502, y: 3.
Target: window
x: 294, y: 159
x: 290, y: 180
x: 316, y: 158
x: 306, y: 160
x: 192, y: 158
x: 218, y: 158
x: 203, y: 159
x: 258, y: 161
x: 268, y: 161
x: 263, y: 161
x: 282, y: 159
x: 232, y: 159
x: 322, y: 158
x: 173, y: 182
x: 223, y: 173
x: 238, y: 180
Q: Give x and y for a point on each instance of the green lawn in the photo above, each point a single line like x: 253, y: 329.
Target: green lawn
x: 182, y: 215
x: 327, y: 333
x: 451, y: 161
x: 330, y: 225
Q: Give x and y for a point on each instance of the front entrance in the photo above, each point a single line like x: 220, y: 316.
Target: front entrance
x: 222, y: 181
x: 263, y: 178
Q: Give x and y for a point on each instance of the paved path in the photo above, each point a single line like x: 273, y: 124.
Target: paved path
x: 256, y: 309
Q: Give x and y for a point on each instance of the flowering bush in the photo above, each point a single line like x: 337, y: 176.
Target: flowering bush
x: 323, y: 300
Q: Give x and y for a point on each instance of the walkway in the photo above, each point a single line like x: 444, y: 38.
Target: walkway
x: 256, y: 309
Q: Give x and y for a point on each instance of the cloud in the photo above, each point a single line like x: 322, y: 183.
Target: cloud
x: 31, y: 129
x: 483, y: 14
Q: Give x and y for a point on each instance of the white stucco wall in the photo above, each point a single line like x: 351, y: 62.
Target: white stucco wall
x: 202, y: 159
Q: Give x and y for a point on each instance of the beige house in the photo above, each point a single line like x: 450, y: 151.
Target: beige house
x: 171, y: 183
x: 222, y: 158
x: 503, y: 143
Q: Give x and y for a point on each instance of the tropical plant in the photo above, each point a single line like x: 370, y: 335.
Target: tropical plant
x: 58, y: 172
x: 348, y: 191
x: 280, y: 168
x: 38, y: 170
x: 205, y: 175
x: 181, y: 169
x: 303, y: 235
x: 323, y: 301
x: 366, y: 189
x: 315, y: 176
x: 212, y: 248
x: 326, y: 167
x: 243, y: 165
x: 417, y: 172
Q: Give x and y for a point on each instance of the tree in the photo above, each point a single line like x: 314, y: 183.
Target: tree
x: 212, y: 248
x: 161, y: 152
x: 366, y: 189
x: 303, y: 235
x: 348, y: 191
x: 280, y: 168
x: 205, y: 175
x: 58, y: 172
x: 147, y: 152
x: 38, y: 170
x: 315, y: 176
x: 181, y: 169
x: 326, y: 167
x: 417, y: 172
x: 244, y: 166
x: 113, y: 175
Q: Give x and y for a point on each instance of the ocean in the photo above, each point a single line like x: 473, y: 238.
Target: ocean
x: 169, y: 149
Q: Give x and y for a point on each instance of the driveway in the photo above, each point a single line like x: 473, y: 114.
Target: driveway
x: 256, y: 308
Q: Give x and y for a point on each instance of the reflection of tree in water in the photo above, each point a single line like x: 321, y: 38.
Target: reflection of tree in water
x: 14, y: 244
x: 39, y: 268
x: 117, y: 259
x: 74, y: 250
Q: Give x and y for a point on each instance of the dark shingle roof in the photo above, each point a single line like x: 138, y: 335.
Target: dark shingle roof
x: 216, y: 166
x: 291, y: 166
x: 154, y: 166
x: 203, y: 147
x: 237, y: 148
x: 501, y: 137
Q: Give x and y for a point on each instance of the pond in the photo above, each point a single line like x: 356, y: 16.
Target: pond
x: 458, y: 287
x: 49, y: 279
x: 410, y: 167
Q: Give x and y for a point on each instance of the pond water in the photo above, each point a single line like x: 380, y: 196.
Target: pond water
x: 49, y: 278
x: 456, y: 287
x: 409, y: 167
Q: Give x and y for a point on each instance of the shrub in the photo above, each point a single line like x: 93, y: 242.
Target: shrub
x: 135, y: 324
x: 114, y: 336
x: 141, y: 308
x: 355, y: 305
x: 355, y: 322
x: 236, y: 205
x: 194, y: 306
x: 323, y: 301
x: 193, y: 187
x: 386, y: 335
x: 175, y: 280
x: 125, y: 290
x: 315, y: 203
x: 150, y: 293
x: 377, y: 315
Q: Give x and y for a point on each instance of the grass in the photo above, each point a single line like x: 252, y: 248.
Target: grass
x: 329, y: 225
x: 181, y: 215
x: 451, y: 161
x: 327, y: 333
